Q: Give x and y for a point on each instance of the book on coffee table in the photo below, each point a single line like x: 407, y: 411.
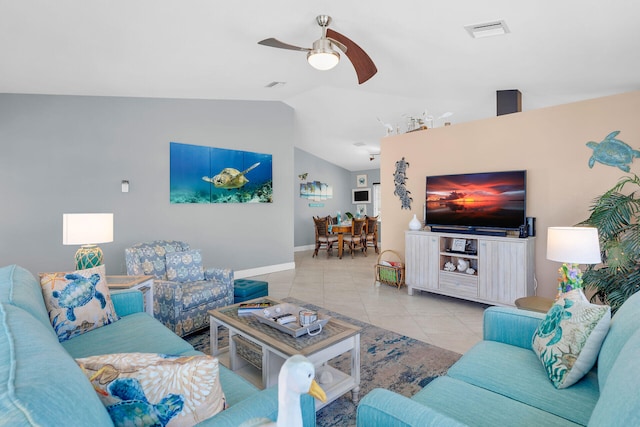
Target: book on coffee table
x: 250, y: 307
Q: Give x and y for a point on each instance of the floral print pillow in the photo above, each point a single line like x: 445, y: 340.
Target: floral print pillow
x: 568, y: 340
x: 146, y: 389
x: 184, y: 266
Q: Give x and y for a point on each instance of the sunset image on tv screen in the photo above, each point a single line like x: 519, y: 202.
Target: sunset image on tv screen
x: 494, y: 199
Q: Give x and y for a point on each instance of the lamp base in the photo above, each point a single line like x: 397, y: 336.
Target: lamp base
x: 570, y: 278
x: 88, y: 256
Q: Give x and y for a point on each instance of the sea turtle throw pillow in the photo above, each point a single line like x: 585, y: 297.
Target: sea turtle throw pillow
x: 568, y: 340
x: 146, y: 389
x: 77, y: 302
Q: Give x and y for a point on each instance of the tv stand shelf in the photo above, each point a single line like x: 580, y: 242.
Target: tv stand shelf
x: 488, y: 269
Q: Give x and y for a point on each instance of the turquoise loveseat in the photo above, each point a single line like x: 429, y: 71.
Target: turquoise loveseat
x: 501, y: 382
x: 41, y: 384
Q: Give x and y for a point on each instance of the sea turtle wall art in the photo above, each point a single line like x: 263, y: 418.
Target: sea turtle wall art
x: 399, y: 177
x: 201, y: 174
x: 612, y: 152
x: 230, y: 178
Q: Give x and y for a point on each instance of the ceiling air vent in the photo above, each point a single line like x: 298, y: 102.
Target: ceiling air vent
x: 488, y: 29
x: 275, y: 84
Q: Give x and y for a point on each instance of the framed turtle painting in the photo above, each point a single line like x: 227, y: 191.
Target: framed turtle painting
x: 201, y: 174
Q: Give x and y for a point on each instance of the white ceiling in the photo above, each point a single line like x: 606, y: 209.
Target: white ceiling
x: 556, y: 52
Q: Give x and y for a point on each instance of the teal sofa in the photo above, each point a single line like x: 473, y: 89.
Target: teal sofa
x: 501, y: 382
x: 41, y: 384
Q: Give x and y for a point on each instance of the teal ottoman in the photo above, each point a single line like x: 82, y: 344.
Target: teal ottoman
x: 246, y: 289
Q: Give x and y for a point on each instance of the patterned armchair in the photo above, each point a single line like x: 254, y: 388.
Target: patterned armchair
x: 183, y: 290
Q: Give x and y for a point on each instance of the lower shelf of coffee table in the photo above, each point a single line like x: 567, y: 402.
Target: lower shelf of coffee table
x: 249, y: 351
x: 333, y: 381
x: 340, y: 384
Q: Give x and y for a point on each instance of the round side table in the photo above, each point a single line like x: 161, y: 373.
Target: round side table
x: 535, y: 303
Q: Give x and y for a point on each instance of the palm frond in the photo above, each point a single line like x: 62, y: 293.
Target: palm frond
x: 615, y: 215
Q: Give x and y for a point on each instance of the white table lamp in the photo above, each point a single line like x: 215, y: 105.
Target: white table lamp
x: 572, y: 246
x: 87, y: 230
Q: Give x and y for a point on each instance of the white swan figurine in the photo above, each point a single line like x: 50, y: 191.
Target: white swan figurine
x: 297, y: 377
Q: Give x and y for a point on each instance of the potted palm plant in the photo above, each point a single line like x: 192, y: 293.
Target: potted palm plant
x: 615, y: 215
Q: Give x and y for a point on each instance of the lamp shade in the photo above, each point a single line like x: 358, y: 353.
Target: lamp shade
x: 85, y: 228
x: 574, y: 245
x: 321, y: 56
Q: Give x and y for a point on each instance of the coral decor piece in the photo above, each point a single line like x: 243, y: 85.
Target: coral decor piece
x: 399, y: 177
x: 463, y: 264
x: 612, y: 152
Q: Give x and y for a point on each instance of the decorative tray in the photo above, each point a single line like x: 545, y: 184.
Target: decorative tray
x: 268, y: 316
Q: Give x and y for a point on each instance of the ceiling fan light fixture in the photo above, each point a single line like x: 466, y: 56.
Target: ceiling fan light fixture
x: 321, y: 56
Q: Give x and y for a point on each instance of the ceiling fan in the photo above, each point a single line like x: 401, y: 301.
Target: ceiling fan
x: 322, y: 56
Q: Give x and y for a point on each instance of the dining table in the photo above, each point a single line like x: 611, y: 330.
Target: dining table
x: 340, y: 229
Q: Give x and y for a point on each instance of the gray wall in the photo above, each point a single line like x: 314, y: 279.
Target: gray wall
x: 323, y: 171
x: 342, y: 180
x: 373, y: 176
x: 68, y: 154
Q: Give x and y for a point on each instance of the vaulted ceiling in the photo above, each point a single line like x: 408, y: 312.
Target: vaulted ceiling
x: 556, y: 52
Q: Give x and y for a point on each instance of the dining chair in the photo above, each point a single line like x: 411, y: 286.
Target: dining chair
x: 371, y: 233
x: 323, y: 238
x: 355, y: 239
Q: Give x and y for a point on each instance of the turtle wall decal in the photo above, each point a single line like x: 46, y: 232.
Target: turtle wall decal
x: 399, y: 178
x: 612, y: 152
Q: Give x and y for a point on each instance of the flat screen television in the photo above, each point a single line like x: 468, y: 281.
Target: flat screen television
x: 361, y: 195
x: 476, y: 202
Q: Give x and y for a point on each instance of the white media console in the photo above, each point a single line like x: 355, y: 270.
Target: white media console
x: 499, y: 269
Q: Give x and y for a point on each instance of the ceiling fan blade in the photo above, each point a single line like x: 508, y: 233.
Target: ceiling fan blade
x: 364, y: 66
x: 271, y: 42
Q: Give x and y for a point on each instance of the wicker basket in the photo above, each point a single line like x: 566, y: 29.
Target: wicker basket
x: 391, y: 275
x: 249, y: 351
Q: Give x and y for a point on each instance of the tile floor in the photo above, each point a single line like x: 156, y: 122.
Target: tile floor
x: 347, y: 286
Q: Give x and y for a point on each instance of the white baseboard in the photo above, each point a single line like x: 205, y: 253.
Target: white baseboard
x: 304, y: 248
x: 251, y: 272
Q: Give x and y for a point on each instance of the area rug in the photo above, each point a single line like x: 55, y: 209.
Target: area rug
x: 387, y: 359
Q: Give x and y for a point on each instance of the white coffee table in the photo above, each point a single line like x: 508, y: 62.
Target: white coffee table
x: 337, y: 337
